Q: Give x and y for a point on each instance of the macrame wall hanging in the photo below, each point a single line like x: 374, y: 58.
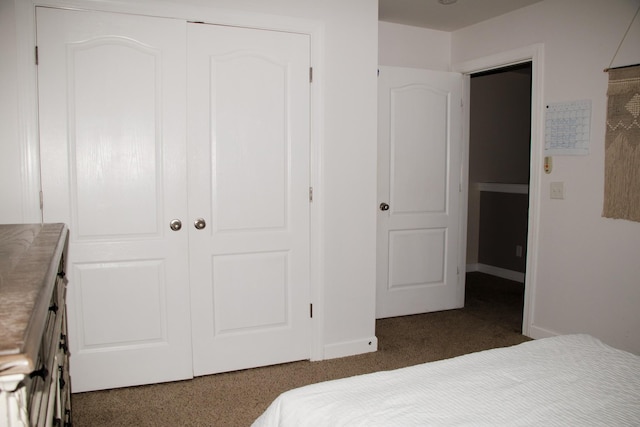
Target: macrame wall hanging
x: 622, y: 142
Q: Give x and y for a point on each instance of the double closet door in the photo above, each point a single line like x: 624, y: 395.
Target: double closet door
x: 178, y: 153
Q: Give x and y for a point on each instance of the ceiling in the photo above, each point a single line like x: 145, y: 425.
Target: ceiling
x: 432, y: 14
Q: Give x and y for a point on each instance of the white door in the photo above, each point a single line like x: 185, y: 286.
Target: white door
x: 419, y: 169
x: 112, y: 131
x: 117, y: 167
x: 248, y: 137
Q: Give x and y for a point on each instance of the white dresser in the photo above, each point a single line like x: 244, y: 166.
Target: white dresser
x: 35, y: 387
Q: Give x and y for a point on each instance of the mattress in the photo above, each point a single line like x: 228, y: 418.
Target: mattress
x: 564, y: 381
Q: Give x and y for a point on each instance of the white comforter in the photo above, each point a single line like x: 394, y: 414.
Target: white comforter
x: 572, y: 380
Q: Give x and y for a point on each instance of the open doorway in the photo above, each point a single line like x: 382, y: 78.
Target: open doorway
x: 498, y: 204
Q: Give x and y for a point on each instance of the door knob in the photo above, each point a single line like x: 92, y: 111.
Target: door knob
x: 199, y: 223
x: 384, y: 207
x: 175, y: 224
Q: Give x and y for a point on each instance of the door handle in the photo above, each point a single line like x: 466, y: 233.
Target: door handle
x: 199, y: 223
x: 384, y: 206
x: 175, y: 224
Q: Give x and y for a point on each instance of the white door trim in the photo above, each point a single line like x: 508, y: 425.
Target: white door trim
x: 535, y: 54
x: 28, y: 108
x: 27, y: 90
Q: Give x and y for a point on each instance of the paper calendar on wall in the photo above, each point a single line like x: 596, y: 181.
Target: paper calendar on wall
x: 567, y: 128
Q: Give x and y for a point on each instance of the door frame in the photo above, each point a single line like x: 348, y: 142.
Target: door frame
x: 535, y: 55
x: 28, y: 108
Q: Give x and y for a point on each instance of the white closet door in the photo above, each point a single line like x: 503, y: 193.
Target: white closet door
x: 419, y: 168
x: 248, y: 122
x: 112, y: 130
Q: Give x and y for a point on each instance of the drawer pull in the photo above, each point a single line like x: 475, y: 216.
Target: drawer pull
x: 61, y: 376
x: 42, y: 373
x: 63, y: 344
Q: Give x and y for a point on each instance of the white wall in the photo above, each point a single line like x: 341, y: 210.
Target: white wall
x: 588, y: 271
x: 406, y: 46
x: 344, y: 142
x: 11, y: 157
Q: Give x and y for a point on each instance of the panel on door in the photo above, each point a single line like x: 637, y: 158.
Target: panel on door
x: 249, y: 182
x: 112, y: 132
x: 419, y: 168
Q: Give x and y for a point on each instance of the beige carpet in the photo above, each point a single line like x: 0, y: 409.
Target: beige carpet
x: 491, y: 318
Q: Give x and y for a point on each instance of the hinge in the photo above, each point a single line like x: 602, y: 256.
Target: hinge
x: 310, y: 74
x: 41, y: 200
x: 311, y: 311
x: 311, y: 194
x: 36, y: 53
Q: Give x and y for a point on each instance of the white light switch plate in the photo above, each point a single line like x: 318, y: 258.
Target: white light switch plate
x: 557, y: 190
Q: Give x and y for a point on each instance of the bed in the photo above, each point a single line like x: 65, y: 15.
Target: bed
x: 570, y: 380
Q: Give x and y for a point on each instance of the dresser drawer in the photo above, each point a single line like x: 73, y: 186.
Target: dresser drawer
x: 44, y: 379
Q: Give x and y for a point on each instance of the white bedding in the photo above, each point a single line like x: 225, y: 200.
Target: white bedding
x: 572, y: 380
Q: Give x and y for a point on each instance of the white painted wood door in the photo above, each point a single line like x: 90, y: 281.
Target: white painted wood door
x: 117, y: 167
x: 419, y: 169
x: 112, y: 131
x: 249, y: 133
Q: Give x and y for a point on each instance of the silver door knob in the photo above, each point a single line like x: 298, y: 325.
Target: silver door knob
x: 199, y: 223
x: 175, y: 224
x: 384, y: 207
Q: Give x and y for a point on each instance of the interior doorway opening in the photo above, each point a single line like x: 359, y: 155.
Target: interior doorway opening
x: 498, y: 198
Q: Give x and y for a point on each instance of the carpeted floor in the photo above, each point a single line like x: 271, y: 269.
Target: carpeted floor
x: 491, y: 318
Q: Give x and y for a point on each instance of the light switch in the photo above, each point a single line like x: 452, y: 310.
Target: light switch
x: 557, y: 190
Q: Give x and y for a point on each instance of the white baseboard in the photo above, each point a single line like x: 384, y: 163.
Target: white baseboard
x: 472, y: 267
x: 516, y: 276
x: 350, y: 348
x: 537, y: 333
